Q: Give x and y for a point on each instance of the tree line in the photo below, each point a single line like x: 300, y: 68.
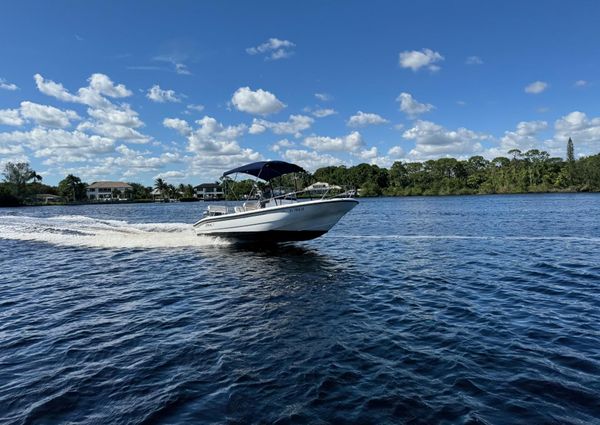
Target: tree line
x: 520, y: 172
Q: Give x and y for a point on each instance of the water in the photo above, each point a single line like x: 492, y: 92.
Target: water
x: 412, y: 310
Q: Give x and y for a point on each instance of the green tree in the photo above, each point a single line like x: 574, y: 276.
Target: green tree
x: 18, y: 176
x: 72, y: 188
x: 571, y: 162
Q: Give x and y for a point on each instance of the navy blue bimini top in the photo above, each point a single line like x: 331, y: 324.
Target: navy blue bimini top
x: 266, y: 170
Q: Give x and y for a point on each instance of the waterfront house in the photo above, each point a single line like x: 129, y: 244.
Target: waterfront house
x: 209, y: 191
x: 108, y: 191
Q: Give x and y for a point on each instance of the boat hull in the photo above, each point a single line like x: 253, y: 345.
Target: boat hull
x: 299, y: 221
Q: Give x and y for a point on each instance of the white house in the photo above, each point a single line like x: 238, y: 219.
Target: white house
x: 107, y: 191
x: 209, y: 191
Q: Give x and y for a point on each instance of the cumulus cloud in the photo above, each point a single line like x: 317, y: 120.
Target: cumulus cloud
x: 432, y: 141
x: 156, y: 94
x: 396, y: 152
x: 524, y: 137
x: 181, y: 126
x: 310, y: 160
x: 48, y: 116
x: 584, y: 131
x: 170, y: 175
x: 5, y: 85
x: 106, y: 118
x: 116, y: 122
x: 417, y: 59
x: 58, y: 145
x: 11, y: 117
x: 100, y: 86
x: 259, y: 102
x: 411, y: 107
x: 362, y: 119
x: 581, y: 83
x: 474, y: 60
x: 294, y: 125
x: 349, y: 143
x: 536, y: 87
x: 279, y: 145
x: 273, y: 49
x: 368, y: 154
x: 325, y: 112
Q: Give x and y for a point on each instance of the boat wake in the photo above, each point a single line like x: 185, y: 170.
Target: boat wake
x: 77, y: 230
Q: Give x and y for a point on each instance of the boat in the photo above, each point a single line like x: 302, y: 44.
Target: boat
x: 269, y: 216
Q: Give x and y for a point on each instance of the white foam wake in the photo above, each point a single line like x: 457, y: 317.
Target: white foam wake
x: 76, y: 230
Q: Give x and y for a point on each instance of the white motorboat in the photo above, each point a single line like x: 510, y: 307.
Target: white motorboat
x: 283, y: 218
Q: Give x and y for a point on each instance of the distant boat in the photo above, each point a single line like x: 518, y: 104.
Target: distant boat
x: 274, y: 218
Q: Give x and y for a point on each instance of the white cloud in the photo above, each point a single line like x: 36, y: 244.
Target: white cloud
x: 368, y: 154
x: 536, y: 87
x: 182, y: 69
x: 4, y: 85
x: 213, y: 146
x: 273, y: 49
x: 415, y: 59
x: 170, y: 175
x: 362, y: 119
x: 474, y: 60
x: 294, y: 125
x: 181, y: 126
x: 581, y: 83
x: 396, y: 152
x: 103, y: 85
x: 283, y: 143
x: 58, y: 145
x: 156, y: 94
x: 411, y: 107
x: 584, y: 131
x: 259, y: 102
x: 197, y: 108
x: 132, y: 160
x: 99, y: 86
x: 310, y: 160
x: 257, y: 128
x: 433, y: 140
x: 325, y: 112
x: 324, y: 97
x: 11, y: 117
x: 523, y: 138
x: 47, y: 116
x: 116, y: 122
x: 349, y: 143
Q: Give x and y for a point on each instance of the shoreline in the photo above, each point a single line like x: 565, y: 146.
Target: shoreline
x: 141, y: 201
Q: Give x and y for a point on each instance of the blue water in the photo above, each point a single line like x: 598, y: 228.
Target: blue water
x: 411, y: 310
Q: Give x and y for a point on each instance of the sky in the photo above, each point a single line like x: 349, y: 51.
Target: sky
x: 185, y: 90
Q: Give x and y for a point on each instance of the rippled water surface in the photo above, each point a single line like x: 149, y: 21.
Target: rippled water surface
x: 411, y: 310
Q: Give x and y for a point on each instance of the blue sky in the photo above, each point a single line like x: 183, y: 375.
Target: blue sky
x: 185, y: 90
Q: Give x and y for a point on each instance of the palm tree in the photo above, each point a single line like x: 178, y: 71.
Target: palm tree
x: 161, y: 186
x: 172, y: 190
